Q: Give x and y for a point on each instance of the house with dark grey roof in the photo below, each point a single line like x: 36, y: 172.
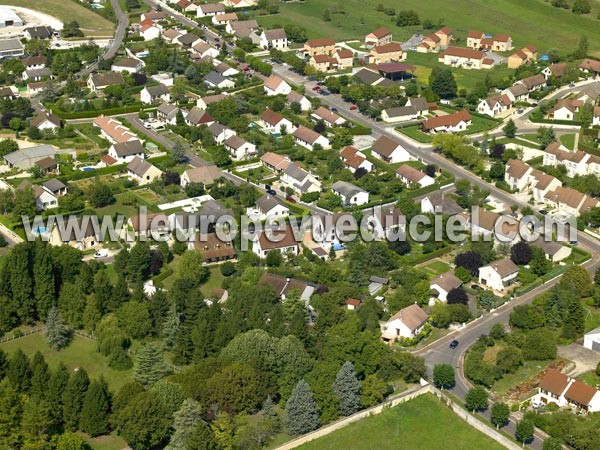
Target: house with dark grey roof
x: 216, y: 80
x: 142, y: 171
x: 389, y: 151
x: 130, y: 65
x: 41, y: 32
x: 55, y: 187
x: 154, y: 94
x: 25, y: 158
x: 299, y: 180
x: 37, y: 74
x: 167, y: 113
x: 10, y: 48
x: 350, y: 194
x: 45, y: 121
x: 126, y: 151
x: 220, y: 132
x: 196, y: 117
x: 399, y: 114
x: 268, y: 207
x: 97, y: 82
x: 239, y: 148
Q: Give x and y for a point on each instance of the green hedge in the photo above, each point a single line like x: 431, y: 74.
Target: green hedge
x: 158, y: 279
x: 525, y: 289
x: 429, y: 256
x: 98, y: 112
x: 536, y: 119
x: 360, y: 131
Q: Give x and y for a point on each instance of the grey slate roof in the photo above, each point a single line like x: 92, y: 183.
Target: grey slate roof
x: 138, y: 166
x: 39, y: 151
x: 129, y: 148
x: 296, y: 172
x: 346, y: 189
x: 54, y: 185
x: 158, y: 90
x: 267, y: 202
x: 214, y: 78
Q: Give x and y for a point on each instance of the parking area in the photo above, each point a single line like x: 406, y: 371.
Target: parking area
x: 584, y: 359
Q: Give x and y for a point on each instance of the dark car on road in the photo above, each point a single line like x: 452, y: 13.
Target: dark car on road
x: 454, y: 344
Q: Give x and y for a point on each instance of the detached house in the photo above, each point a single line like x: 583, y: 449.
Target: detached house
x: 283, y: 241
x: 130, y: 65
x: 276, y: 86
x: 433, y: 42
x: 114, y: 131
x: 410, y: 176
x: 301, y: 181
x: 533, y: 83
x: 518, y: 175
x: 46, y: 121
x: 542, y: 183
x: 321, y: 46
x: 389, y: 151
x: 493, y: 106
x: 565, y: 109
x: 554, y: 70
x: 204, y: 175
x: 220, y: 132
x: 308, y: 138
x: 499, y: 275
x: 567, y: 392
x: 590, y: 66
x: 274, y: 123
x: 350, y: 194
x: 149, y: 30
x: 399, y: 114
x: 142, y: 171
x: 382, y: 54
x: 517, y: 93
x: 34, y: 62
x: 196, y: 117
x: 97, y: 82
x: 466, y: 58
x: 167, y: 113
x: 216, y: 80
x: 354, y: 159
x: 275, y: 162
x: 442, y: 284
x: 125, y: 152
x: 209, y: 9
x: 380, y: 36
x: 295, y: 97
x: 450, y: 123
x: 268, y: 207
x: 329, y: 118
x: 239, y: 148
x: 224, y: 18
x: 155, y: 94
x: 214, y: 249
x: 406, y: 323
x: 276, y: 38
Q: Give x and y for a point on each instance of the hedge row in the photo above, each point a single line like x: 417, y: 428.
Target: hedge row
x: 99, y: 112
x: 429, y: 256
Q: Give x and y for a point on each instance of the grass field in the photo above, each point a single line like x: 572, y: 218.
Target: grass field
x: 422, y: 423
x: 80, y: 353
x: 436, y: 268
x: 590, y: 378
x: 109, y: 442
x: 415, y: 133
x: 91, y: 24
x: 533, y: 22
x: 568, y: 140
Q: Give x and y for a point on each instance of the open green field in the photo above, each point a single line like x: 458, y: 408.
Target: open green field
x: 568, y: 140
x: 91, y: 24
x: 80, y: 353
x: 422, y: 423
x: 529, y: 22
x: 108, y: 442
x: 436, y: 268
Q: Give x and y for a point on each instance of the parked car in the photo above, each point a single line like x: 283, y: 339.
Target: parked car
x: 102, y: 253
x: 271, y: 192
x: 316, y: 88
x: 326, y: 93
x: 454, y: 344
x: 573, y: 243
x: 334, y: 109
x: 353, y: 108
x: 290, y: 199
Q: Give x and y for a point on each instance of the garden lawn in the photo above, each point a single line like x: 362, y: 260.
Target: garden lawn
x: 91, y: 24
x: 436, y: 268
x: 415, y: 133
x: 524, y: 373
x: 590, y: 378
x: 80, y: 353
x: 533, y: 22
x: 422, y: 423
x: 568, y: 140
x: 479, y: 125
x: 108, y: 442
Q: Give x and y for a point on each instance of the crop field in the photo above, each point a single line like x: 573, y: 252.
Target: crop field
x: 533, y: 22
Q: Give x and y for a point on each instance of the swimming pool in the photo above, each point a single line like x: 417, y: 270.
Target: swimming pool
x: 40, y: 230
x: 87, y: 168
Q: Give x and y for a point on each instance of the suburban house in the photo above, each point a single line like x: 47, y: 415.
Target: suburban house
x: 504, y: 229
x: 499, y: 275
x: 204, y: 175
x: 350, y: 194
x: 524, y: 56
x: 216, y: 80
x: 591, y: 339
x: 149, y: 30
x: 37, y: 74
x: 389, y: 151
x: 114, y: 131
x: 268, y: 207
x: 565, y: 391
x: 41, y: 32
x: 276, y: 86
x: 43, y: 199
x: 328, y: 117
x: 283, y: 241
x: 477, y: 40
x: 155, y: 94
x: 518, y: 175
x: 565, y: 109
x: 153, y: 15
x: 130, y: 65
x: 142, y: 171
x: 344, y: 58
x: 399, y: 114
x: 352, y: 304
x: 276, y: 38
x: 385, y: 222
x: 226, y: 70
x: 495, y: 105
x: 440, y: 203
x: 323, y: 63
x: 285, y: 287
x: 590, y: 66
x: 209, y: 9
x: 97, y: 82
x: 34, y: 62
x: 186, y: 5
x: 154, y: 225
x: 420, y: 104
x: 450, y: 123
x: 386, y: 53
x: 171, y: 35
x: 465, y: 58
x: 11, y: 48
x: 517, y: 93
x: 380, y: 36
x: 353, y: 159
x: 124, y: 152
x: 220, y: 132
x: 556, y: 70
x: 203, y: 102
x: 295, y: 97
x: 274, y: 123
x: 309, y: 138
x: 590, y: 93
x: 275, y: 162
x: 55, y: 187
x: 46, y: 121
x: 81, y: 235
x: 224, y: 18
x: 239, y: 148
x: 542, y: 183
x: 48, y: 165
x: 167, y: 113
x: 533, y: 83
x: 554, y: 251
x: 203, y: 50
x: 434, y: 42
x: 410, y: 176
x: 196, y: 117
x: 321, y: 46
x: 576, y: 162
x: 569, y: 201
x: 301, y: 181
x: 406, y: 323
x: 442, y: 284
x: 213, y: 249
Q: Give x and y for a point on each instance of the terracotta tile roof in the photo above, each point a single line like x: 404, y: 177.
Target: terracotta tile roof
x: 502, y: 38
x: 348, y: 151
x: 353, y: 302
x: 392, y: 47
x: 344, y: 53
x: 273, y: 82
x: 554, y: 382
x: 444, y: 30
x: 280, y: 162
x: 580, y: 393
x: 461, y: 52
x: 326, y: 114
x: 448, y: 120
x: 115, y: 129
x: 271, y: 117
x: 320, y: 42
x: 285, y: 238
x: 380, y: 32
x: 475, y: 34
x: 590, y: 64
x: 211, y: 246
x: 410, y: 173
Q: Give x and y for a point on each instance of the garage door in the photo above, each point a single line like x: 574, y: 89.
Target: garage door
x: 596, y: 346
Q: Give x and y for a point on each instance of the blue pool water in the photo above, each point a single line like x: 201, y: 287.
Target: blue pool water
x: 337, y: 247
x: 40, y: 230
x: 87, y: 169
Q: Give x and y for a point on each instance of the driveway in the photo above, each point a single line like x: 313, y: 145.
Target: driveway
x: 583, y: 358
x: 411, y: 44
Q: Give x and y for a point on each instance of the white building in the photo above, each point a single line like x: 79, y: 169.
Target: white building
x: 274, y: 123
x: 276, y: 86
x: 565, y: 391
x: 268, y: 207
x: 591, y: 339
x: 282, y: 241
x: 353, y: 159
x: 309, y: 138
x: 126, y: 151
x: 350, y: 194
x: 499, y: 275
x: 239, y: 148
x: 389, y: 151
x: 406, y: 323
x: 442, y: 284
x: 155, y: 94
x: 276, y: 38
